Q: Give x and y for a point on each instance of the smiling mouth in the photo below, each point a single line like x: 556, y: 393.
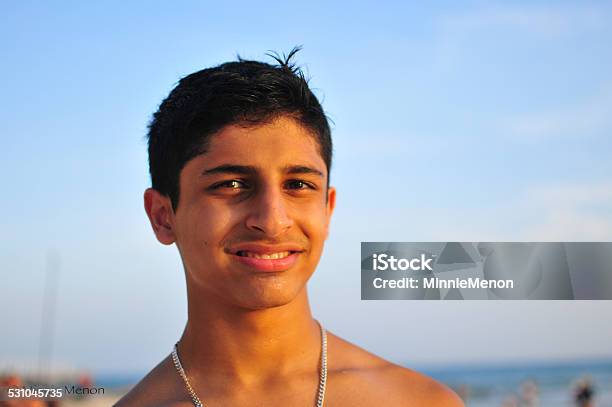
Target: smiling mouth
x: 268, y: 256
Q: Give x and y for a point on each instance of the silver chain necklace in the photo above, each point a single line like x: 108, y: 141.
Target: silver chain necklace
x: 322, y: 372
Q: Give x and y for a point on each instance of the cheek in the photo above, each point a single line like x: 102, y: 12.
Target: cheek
x: 315, y: 225
x: 205, y: 227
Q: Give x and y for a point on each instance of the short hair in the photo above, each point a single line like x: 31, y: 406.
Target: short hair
x: 243, y: 92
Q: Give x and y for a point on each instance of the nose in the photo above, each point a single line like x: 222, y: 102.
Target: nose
x: 268, y: 213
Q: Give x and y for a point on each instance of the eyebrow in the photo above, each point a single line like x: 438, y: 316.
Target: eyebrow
x: 231, y: 169
x: 302, y: 169
x: 250, y: 170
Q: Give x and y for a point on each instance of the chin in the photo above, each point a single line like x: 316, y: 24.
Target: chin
x: 261, y: 304
x: 267, y: 296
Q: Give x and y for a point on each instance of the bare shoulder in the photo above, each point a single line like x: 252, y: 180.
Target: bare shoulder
x: 361, y: 378
x: 160, y: 387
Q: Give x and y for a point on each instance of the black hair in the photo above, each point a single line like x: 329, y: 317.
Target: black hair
x: 243, y: 92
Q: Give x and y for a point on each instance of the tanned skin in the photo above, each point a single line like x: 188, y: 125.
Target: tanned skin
x: 250, y: 338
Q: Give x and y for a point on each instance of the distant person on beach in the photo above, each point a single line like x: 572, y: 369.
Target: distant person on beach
x: 239, y: 156
x: 584, y: 393
x: 529, y: 394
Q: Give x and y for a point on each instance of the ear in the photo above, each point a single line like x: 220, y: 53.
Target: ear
x: 160, y: 213
x: 330, y: 205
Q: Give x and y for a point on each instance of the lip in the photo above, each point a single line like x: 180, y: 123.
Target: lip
x: 267, y: 265
x: 265, y: 249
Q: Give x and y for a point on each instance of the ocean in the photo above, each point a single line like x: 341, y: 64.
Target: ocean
x: 551, y: 384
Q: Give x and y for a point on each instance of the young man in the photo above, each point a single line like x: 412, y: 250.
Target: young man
x: 239, y: 158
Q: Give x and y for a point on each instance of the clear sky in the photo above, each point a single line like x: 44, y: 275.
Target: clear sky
x: 489, y: 121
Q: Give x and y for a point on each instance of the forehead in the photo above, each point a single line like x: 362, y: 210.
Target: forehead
x: 281, y: 142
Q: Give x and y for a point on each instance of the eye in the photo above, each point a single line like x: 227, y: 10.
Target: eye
x: 298, y: 184
x: 232, y: 184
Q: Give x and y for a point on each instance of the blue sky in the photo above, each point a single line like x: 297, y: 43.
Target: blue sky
x: 485, y: 121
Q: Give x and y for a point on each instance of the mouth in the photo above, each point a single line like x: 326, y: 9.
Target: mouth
x: 267, y: 259
x: 268, y: 256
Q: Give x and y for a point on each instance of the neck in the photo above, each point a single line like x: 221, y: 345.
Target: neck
x: 249, y: 346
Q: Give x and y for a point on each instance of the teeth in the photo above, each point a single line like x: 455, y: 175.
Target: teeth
x: 271, y: 256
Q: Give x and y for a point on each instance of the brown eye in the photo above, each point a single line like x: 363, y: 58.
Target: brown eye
x: 298, y: 184
x: 233, y: 184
